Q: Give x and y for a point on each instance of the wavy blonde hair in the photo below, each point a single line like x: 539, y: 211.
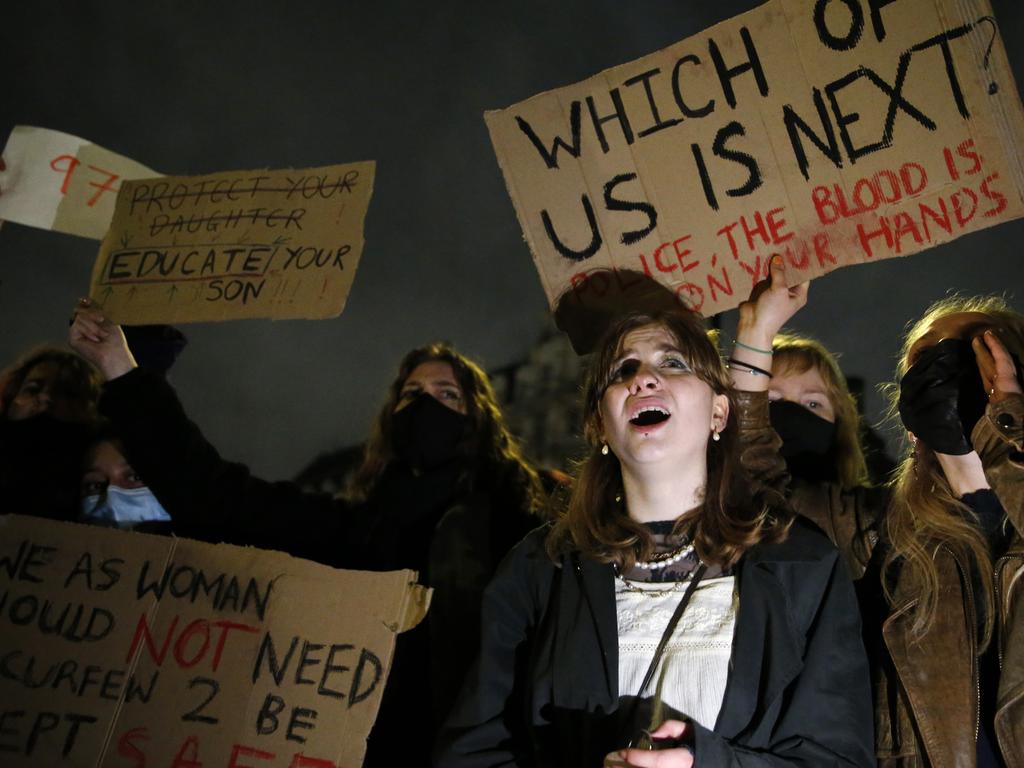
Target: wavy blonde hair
x: 925, y: 515
x: 730, y: 520
x: 794, y: 353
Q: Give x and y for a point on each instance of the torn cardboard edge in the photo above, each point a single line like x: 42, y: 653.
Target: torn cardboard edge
x: 221, y: 560
x: 233, y: 245
x: 995, y: 124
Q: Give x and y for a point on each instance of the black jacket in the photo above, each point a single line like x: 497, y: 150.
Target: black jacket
x: 462, y: 542
x: 544, y: 691
x: 212, y: 499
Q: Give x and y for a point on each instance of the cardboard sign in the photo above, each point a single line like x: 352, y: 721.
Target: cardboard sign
x: 122, y: 649
x: 834, y: 132
x: 61, y: 182
x: 247, y: 244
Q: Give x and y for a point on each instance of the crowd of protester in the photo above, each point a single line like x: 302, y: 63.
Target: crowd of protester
x: 720, y: 583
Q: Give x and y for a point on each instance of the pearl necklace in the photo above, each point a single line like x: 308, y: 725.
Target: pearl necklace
x: 665, y: 558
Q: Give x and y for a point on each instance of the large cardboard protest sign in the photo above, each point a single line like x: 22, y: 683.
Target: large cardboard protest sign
x: 63, y: 183
x: 834, y: 132
x: 128, y: 650
x: 227, y: 246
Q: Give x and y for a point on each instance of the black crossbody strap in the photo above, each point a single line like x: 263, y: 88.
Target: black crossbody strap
x: 670, y: 628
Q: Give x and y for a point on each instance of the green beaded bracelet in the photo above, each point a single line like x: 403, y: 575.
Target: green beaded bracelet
x: 740, y: 344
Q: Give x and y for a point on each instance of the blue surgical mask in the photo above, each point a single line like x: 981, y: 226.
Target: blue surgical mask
x: 123, y: 508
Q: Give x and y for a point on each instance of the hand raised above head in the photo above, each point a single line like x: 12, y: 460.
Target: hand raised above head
x: 100, y: 341
x: 997, y: 366
x: 771, y: 304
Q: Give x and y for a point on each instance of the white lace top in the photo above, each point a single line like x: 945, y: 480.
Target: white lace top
x: 695, y: 663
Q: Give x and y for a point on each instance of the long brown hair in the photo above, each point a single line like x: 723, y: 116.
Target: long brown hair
x: 494, y: 460
x: 596, y: 524
x: 77, y: 379
x: 796, y: 354
x: 925, y: 515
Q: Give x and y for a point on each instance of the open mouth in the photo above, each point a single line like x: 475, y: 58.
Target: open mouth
x: 649, y: 416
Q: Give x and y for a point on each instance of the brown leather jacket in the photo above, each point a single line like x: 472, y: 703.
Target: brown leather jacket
x: 926, y: 692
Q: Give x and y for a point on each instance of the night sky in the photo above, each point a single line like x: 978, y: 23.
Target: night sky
x: 200, y: 87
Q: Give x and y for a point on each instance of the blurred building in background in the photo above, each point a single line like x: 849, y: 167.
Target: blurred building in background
x: 540, y: 397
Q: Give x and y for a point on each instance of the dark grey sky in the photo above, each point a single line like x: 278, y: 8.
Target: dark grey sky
x: 198, y: 87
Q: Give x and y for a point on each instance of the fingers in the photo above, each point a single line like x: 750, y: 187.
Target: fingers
x: 665, y: 758
x: 777, y: 272
x: 670, y: 729
x: 998, y: 352
x: 679, y: 757
x: 986, y: 363
x: 997, y: 367
x: 777, y: 278
x: 88, y: 323
x: 100, y: 341
x: 83, y: 328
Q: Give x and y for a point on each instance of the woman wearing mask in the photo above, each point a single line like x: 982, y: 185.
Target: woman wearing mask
x: 939, y: 564
x: 815, y: 415
x: 953, y: 554
x: 47, y: 404
x: 671, y: 607
x: 114, y: 494
x: 443, y: 489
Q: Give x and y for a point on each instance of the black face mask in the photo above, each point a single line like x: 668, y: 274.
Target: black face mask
x: 44, y: 436
x: 41, y: 465
x: 808, y: 441
x: 426, y: 434
x: 942, y: 397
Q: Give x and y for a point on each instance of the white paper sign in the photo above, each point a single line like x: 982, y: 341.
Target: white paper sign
x: 63, y: 183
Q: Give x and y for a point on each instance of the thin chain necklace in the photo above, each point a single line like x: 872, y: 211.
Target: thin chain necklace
x: 629, y: 586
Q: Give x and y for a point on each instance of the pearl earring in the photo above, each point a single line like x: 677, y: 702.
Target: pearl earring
x: 604, y: 449
x: 715, y: 436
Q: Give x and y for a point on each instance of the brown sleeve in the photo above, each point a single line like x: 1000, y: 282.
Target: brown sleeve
x: 998, y: 437
x: 759, y: 448
x: 849, y: 518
